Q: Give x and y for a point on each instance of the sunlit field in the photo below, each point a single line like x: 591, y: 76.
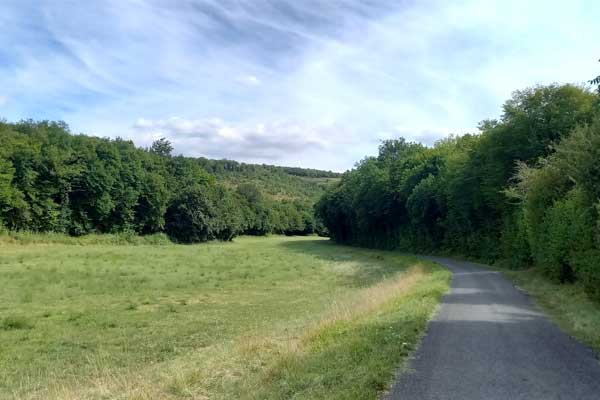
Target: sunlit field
x: 257, y: 318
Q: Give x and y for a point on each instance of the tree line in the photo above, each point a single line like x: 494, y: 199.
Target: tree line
x: 54, y: 181
x: 224, y: 166
x: 524, y: 190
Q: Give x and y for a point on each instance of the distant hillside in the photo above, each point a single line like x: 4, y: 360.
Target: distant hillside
x: 220, y: 166
x: 278, y: 183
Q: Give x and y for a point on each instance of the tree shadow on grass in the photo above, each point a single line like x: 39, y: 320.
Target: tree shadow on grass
x: 358, y: 267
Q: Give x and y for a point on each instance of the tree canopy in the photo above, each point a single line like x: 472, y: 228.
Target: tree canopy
x: 525, y: 189
x: 51, y: 180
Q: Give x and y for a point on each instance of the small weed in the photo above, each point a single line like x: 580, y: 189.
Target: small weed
x: 171, y: 308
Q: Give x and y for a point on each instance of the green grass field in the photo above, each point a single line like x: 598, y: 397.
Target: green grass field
x: 259, y: 318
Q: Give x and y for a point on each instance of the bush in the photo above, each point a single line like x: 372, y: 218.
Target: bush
x: 188, y: 217
x: 541, y: 188
x: 587, y: 270
x: 569, y: 229
x: 516, y: 252
x: 577, y: 157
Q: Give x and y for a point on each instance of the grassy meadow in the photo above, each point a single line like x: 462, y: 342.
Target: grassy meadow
x: 259, y: 318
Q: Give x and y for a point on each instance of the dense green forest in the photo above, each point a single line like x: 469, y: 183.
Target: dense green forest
x: 54, y: 181
x: 525, y: 190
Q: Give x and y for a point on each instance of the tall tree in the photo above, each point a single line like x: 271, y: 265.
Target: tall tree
x: 161, y: 147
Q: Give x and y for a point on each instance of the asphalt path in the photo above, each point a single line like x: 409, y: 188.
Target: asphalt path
x: 488, y: 341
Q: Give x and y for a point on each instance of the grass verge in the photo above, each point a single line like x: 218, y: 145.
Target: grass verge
x: 566, y: 304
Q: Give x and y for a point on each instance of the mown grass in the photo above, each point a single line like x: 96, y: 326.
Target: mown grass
x: 567, y: 304
x: 260, y: 318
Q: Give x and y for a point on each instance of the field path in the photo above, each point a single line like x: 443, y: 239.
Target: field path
x: 489, y: 342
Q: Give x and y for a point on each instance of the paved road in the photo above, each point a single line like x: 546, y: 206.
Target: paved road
x: 488, y: 342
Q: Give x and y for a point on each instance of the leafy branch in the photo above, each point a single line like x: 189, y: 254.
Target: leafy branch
x: 596, y: 81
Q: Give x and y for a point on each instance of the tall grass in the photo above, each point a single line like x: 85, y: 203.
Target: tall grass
x: 122, y: 238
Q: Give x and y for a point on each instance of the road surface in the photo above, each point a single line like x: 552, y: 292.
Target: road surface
x: 489, y: 342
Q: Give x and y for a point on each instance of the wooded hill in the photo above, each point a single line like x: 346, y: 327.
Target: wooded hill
x: 54, y: 181
x: 275, y: 182
x: 524, y: 190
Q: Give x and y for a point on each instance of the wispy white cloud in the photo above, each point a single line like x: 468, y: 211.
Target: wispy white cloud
x: 301, y: 83
x: 249, y: 80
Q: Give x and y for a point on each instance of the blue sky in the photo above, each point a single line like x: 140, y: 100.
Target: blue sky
x: 305, y: 83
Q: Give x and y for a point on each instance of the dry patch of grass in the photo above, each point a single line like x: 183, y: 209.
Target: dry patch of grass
x: 369, y: 300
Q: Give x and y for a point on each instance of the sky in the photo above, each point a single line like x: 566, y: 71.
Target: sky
x: 315, y: 84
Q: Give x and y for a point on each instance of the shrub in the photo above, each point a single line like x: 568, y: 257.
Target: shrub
x: 577, y: 157
x: 541, y: 188
x: 587, y: 270
x: 569, y: 230
x: 516, y: 252
x: 188, y: 218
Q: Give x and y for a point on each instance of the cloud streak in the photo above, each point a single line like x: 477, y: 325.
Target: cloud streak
x: 305, y: 83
